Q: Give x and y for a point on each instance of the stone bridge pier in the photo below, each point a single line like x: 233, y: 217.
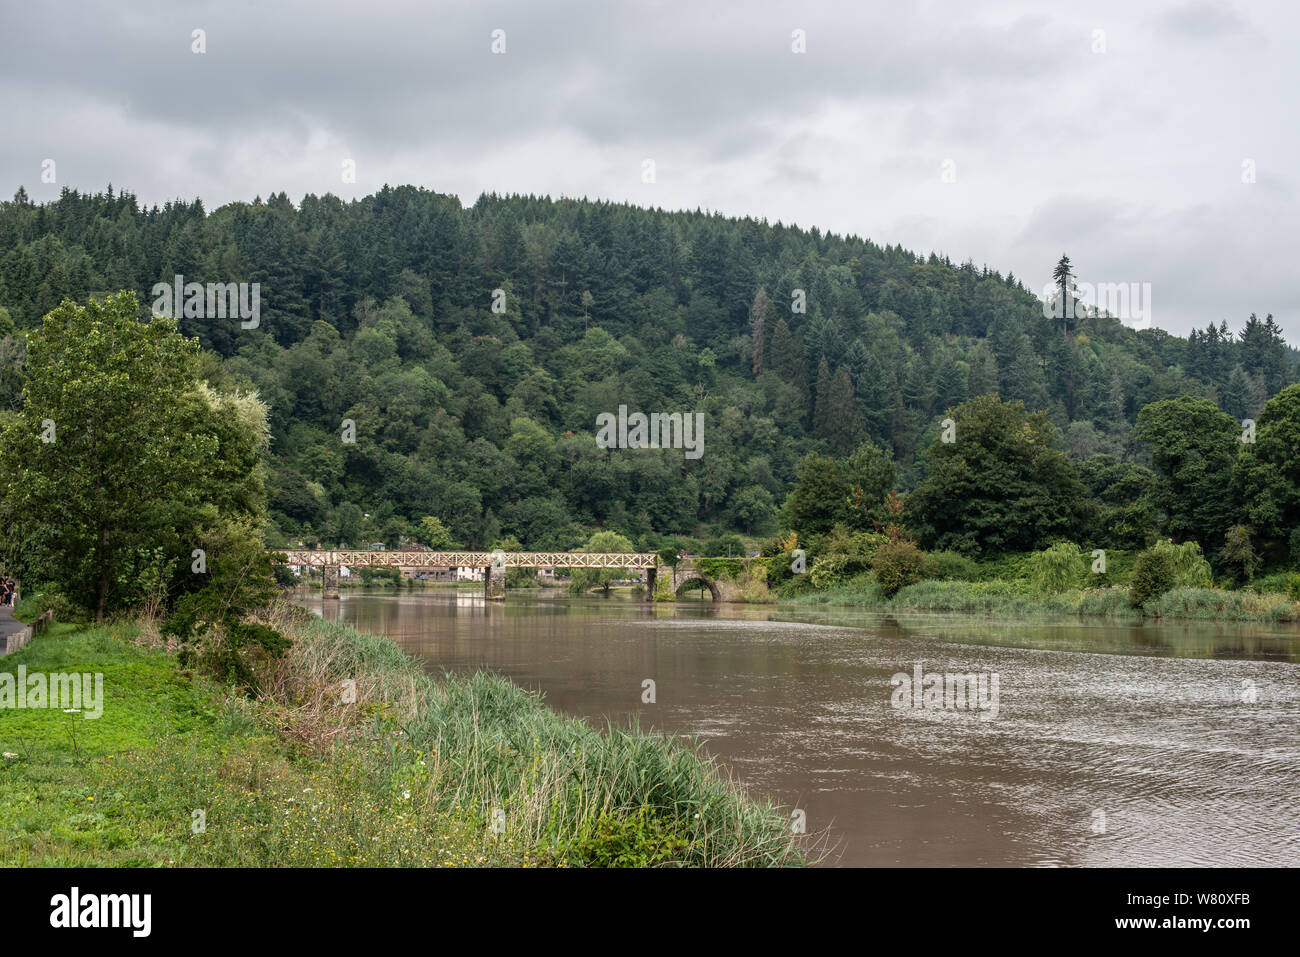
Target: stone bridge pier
x: 494, y: 583
x: 330, y: 581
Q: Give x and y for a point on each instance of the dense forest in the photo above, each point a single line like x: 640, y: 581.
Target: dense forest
x: 473, y: 349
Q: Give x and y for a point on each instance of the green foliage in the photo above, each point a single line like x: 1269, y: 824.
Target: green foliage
x: 432, y: 533
x: 830, y: 492
x: 898, y: 564
x: 1191, y: 570
x: 584, y: 580
x: 1058, y: 568
x: 953, y: 566
x: 1266, y: 475
x: 819, y: 498
x: 1220, y: 605
x: 1165, y: 566
x: 1193, y: 448
x: 34, y: 605
x: 1001, y: 485
x: 640, y: 838
x: 1238, y: 554
x: 830, y: 570
x: 486, y: 420
x: 109, y: 452
x: 121, y: 458
x: 212, y: 620
x: 725, y: 546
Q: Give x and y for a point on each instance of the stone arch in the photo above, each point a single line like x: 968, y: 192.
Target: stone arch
x: 685, y: 580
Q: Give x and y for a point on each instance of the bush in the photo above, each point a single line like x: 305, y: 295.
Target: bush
x: 1056, y: 569
x: 1238, y: 554
x: 1111, y: 601
x: 898, y: 564
x: 1191, y: 570
x: 641, y: 839
x: 953, y: 566
x: 831, y: 570
x: 64, y: 608
x: 1217, y: 604
x: 1153, y: 575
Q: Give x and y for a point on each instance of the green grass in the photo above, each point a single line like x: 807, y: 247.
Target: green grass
x: 477, y: 746
x: 1219, y: 605
x: 1003, y: 586
x: 417, y: 772
x: 168, y: 744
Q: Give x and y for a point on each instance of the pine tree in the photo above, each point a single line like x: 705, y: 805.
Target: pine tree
x: 757, y: 313
x: 841, y: 427
x: 1064, y: 278
x: 820, y: 408
x: 782, y: 358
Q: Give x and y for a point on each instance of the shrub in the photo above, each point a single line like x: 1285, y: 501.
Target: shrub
x: 830, y: 570
x: 1153, y: 575
x: 64, y: 608
x: 1217, y: 604
x: 640, y: 839
x: 1238, y: 554
x: 898, y: 564
x: 953, y: 566
x: 1108, y: 600
x: 1056, y: 569
x: 1191, y: 570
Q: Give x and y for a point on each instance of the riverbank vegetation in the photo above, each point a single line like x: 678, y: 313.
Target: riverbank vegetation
x: 348, y: 754
x: 1005, y: 522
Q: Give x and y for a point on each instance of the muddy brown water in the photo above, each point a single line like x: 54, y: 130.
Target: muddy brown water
x: 1105, y: 744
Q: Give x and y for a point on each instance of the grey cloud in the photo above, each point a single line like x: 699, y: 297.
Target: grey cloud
x: 1128, y: 160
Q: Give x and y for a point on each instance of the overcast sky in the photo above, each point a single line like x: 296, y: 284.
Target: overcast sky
x: 1129, y: 159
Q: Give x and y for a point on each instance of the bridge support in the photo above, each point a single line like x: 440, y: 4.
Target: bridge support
x: 494, y: 583
x: 330, y: 581
x: 685, y: 571
x: 651, y: 579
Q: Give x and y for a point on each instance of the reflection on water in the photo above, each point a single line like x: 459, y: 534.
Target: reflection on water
x: 1121, y: 745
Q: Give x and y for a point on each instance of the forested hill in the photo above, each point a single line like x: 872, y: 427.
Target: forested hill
x: 381, y: 311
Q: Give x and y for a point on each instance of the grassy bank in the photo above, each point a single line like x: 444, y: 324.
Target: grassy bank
x: 1018, y: 599
x: 414, y: 771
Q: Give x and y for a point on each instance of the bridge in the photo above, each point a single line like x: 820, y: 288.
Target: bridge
x: 493, y: 563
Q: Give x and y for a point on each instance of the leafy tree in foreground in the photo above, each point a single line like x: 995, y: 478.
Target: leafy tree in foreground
x: 121, y: 463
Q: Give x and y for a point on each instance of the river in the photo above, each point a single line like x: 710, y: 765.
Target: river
x: 1087, y: 744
